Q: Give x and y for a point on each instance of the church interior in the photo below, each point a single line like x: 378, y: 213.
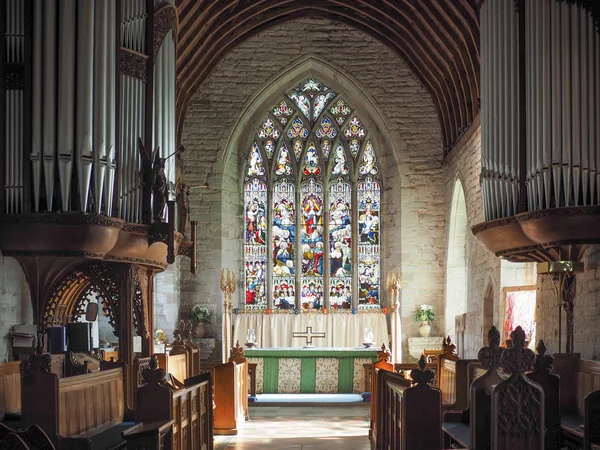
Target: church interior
x: 273, y: 224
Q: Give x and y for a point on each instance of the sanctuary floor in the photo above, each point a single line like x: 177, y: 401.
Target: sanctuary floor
x: 323, y: 427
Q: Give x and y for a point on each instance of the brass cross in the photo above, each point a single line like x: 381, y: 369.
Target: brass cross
x: 308, y: 335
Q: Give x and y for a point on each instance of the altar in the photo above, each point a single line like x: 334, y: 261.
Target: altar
x: 310, y: 370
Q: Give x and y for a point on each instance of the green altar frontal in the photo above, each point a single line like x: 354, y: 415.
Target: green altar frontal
x: 310, y: 370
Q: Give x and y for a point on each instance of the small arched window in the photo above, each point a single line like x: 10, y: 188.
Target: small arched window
x: 312, y: 196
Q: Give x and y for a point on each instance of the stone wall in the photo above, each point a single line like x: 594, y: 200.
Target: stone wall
x: 15, y: 303
x: 217, y: 134
x: 166, y: 298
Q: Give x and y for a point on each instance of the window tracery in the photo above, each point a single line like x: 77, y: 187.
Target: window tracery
x: 312, y: 196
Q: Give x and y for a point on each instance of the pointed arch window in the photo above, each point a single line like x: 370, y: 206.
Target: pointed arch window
x: 312, y: 196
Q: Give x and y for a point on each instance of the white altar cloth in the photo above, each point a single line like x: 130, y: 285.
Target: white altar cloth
x: 341, y: 330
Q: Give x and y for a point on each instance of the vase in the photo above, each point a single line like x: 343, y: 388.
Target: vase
x: 200, y: 330
x: 424, y: 328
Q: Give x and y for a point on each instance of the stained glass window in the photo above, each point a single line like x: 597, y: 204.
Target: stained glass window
x: 255, y: 249
x: 340, y: 244
x: 284, y: 244
x: 369, y: 193
x: 312, y: 295
x: 312, y: 200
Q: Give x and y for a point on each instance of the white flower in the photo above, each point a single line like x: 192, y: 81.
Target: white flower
x: 425, y: 307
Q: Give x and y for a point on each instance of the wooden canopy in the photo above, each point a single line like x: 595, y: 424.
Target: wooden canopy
x: 438, y: 39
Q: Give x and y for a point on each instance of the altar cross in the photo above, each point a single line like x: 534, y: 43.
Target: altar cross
x: 308, y: 335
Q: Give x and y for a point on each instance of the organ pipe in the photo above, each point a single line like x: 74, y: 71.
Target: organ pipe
x: 66, y: 97
x: 49, y: 98
x: 74, y: 67
x: 562, y: 112
x: 86, y: 81
x: 100, y: 76
x: 36, y: 120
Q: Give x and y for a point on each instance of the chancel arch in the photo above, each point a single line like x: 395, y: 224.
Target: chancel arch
x: 456, y: 269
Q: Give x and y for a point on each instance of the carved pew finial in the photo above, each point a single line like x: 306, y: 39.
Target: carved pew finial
x: 490, y: 355
x: 543, y: 362
x: 237, y: 351
x: 448, y: 348
x: 422, y: 376
x: 517, y: 358
x: 153, y: 374
x: 39, y: 361
x: 384, y: 354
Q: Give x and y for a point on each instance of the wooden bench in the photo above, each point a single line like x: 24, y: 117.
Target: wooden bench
x: 237, y: 356
x: 382, y: 364
x: 453, y: 377
x: 84, y: 411
x: 173, y: 418
x: 409, y: 414
x: 231, y: 397
x: 579, y: 386
x: 175, y: 365
x: 470, y: 427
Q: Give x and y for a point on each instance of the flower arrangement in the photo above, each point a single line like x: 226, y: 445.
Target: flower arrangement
x: 424, y: 313
x: 201, y: 314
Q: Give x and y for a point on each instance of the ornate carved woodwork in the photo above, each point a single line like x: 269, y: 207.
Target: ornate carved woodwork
x: 165, y: 20
x: 547, y: 235
x: 84, y: 236
x: 438, y: 40
x: 133, y: 64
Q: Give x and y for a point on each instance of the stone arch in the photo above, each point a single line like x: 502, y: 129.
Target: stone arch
x: 456, y: 262
x: 251, y: 119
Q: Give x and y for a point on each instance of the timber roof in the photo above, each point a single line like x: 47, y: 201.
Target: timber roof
x: 438, y: 39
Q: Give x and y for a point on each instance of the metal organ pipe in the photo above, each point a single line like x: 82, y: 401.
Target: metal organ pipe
x: 85, y: 99
x: 562, y: 106
x: 100, y: 78
x: 36, y: 119
x: 66, y: 97
x: 109, y: 175
x: 49, y: 99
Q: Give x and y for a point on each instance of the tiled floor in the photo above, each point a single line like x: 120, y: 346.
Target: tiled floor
x: 303, y: 428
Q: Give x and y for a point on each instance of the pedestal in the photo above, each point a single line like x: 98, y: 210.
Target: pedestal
x: 206, y: 347
x: 417, y: 345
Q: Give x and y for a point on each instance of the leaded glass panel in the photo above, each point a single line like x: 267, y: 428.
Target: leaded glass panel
x: 284, y: 243
x: 340, y: 244
x: 369, y: 194
x: 255, y: 248
x: 340, y: 162
x: 255, y: 162
x: 311, y: 161
x: 283, y: 165
x: 312, y: 244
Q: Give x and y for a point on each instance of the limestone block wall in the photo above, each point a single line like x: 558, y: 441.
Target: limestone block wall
x: 413, y: 217
x: 166, y: 298
x: 15, y: 303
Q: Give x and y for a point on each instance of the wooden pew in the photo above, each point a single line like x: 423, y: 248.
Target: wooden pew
x: 382, y: 364
x: 231, y: 394
x: 10, y: 388
x: 518, y: 427
x: 176, y: 365
x: 185, y: 345
x: 579, y: 378
x: 471, y: 428
x: 180, y: 419
x: 550, y: 383
x: 74, y: 412
x: 453, y: 377
x: 410, y: 416
x: 32, y: 438
x: 237, y: 356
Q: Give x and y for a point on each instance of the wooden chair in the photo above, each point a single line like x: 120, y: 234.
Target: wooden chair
x: 523, y: 427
